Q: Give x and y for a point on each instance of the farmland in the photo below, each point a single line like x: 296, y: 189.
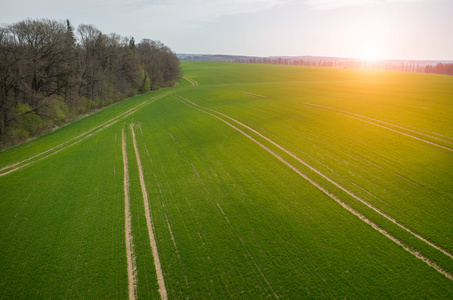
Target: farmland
x: 245, y: 181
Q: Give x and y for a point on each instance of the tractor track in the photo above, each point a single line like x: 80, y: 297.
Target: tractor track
x: 415, y: 253
x: 131, y: 263
x: 75, y: 140
x: 149, y: 222
x: 388, y: 126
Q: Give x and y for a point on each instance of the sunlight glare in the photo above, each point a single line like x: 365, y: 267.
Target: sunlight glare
x: 370, y: 51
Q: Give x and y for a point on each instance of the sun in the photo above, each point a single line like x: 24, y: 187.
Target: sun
x: 370, y: 51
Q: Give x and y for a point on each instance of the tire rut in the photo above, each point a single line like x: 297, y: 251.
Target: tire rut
x: 149, y: 222
x: 19, y: 165
x: 325, y: 191
x: 131, y: 263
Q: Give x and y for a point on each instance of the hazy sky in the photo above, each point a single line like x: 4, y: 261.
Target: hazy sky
x: 393, y: 29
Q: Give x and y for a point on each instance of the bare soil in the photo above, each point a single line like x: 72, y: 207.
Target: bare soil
x: 131, y: 265
x: 149, y: 222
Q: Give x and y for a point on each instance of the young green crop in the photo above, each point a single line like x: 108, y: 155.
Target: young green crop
x: 232, y: 218
x: 220, y: 185
x: 399, y: 171
x: 62, y: 233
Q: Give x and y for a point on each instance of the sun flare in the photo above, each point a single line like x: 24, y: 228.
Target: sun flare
x: 370, y: 51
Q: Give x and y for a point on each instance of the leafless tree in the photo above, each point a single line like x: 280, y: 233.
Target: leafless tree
x: 48, y: 73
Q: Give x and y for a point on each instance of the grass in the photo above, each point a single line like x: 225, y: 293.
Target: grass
x: 231, y: 220
x: 391, y: 166
x: 61, y: 225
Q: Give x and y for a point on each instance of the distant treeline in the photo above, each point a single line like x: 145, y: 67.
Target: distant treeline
x: 50, y: 73
x: 405, y: 66
x: 439, y: 67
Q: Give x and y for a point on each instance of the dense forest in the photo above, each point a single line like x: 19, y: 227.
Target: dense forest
x: 51, y: 73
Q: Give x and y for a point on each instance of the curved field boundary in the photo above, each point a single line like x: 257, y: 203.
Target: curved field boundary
x: 131, y: 264
x: 325, y: 191
x: 192, y: 81
x: 19, y: 165
x: 149, y: 222
x: 386, y: 125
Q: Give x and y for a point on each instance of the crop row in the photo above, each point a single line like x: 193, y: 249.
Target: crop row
x: 232, y: 215
x: 239, y: 218
x: 62, y: 225
x: 62, y: 219
x: 395, y: 173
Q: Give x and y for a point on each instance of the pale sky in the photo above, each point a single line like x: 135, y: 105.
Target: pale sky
x: 388, y: 29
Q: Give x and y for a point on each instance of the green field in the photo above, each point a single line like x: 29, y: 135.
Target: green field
x: 263, y: 181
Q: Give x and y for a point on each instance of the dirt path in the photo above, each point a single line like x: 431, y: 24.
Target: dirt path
x: 149, y: 222
x: 325, y: 191
x: 192, y: 81
x: 131, y: 264
x: 369, y: 205
x: 206, y: 190
x: 386, y: 125
x: 19, y: 165
x: 59, y: 145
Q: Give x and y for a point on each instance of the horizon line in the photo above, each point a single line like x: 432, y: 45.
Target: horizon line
x: 318, y: 56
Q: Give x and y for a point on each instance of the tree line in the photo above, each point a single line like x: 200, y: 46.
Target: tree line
x: 439, y: 68
x: 404, y: 66
x: 51, y: 73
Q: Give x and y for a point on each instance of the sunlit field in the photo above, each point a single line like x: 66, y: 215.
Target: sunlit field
x: 249, y: 181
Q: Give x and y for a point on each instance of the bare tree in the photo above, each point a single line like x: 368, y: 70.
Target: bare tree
x: 161, y: 66
x: 10, y: 78
x: 48, y: 73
